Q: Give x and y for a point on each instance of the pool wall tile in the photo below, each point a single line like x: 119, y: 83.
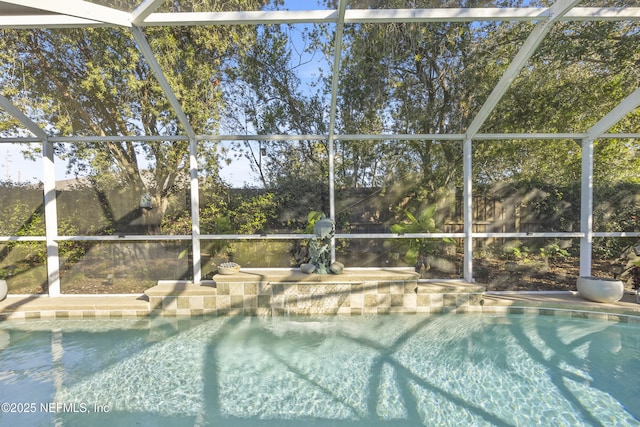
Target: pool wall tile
x: 236, y: 289
x: 264, y: 288
x: 344, y: 311
x: 258, y: 295
x: 236, y: 301
x: 410, y: 301
x: 323, y: 298
x: 383, y: 288
x: 396, y: 288
x: 223, y: 302
x: 436, y: 300
x: 183, y: 302
x: 449, y: 300
x: 263, y: 311
x: 170, y: 303
x: 250, y: 301
x: 423, y: 309
x: 617, y: 318
x: 222, y: 288
x: 209, y: 302
x: 250, y: 289
x: 383, y: 300
x: 356, y: 300
x: 370, y: 287
x: 296, y: 294
x: 196, y: 302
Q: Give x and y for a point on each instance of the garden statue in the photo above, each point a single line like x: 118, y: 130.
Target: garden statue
x: 324, y: 228
x: 319, y: 253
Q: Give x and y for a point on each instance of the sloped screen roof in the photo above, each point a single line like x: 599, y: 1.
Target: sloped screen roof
x: 521, y: 61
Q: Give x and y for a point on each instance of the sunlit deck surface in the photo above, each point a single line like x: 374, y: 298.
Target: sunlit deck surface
x: 359, y: 292
x: 562, y: 301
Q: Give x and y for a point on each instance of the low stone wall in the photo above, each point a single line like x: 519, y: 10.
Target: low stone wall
x: 291, y: 292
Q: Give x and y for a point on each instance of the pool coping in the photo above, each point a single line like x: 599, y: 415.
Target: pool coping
x: 283, y: 292
x: 569, y: 303
x: 562, y: 303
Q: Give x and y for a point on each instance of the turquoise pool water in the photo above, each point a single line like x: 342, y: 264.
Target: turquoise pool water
x: 441, y: 370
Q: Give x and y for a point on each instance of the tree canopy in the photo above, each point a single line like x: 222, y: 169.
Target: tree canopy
x: 96, y: 82
x: 398, y: 77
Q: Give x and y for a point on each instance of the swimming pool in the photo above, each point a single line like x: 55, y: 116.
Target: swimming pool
x: 458, y: 369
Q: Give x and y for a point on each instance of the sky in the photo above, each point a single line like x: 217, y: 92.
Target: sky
x: 14, y: 167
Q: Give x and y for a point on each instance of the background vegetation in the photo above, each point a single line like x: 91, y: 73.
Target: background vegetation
x: 405, y: 78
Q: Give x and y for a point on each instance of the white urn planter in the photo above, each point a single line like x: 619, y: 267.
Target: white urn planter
x: 600, y: 289
x: 3, y: 289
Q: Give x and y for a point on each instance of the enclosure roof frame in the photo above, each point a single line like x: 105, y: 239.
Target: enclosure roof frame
x: 24, y: 14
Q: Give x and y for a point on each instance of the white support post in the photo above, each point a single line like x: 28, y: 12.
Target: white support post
x: 195, y: 211
x: 586, y: 208
x: 332, y: 192
x: 468, y: 210
x: 342, y: 6
x: 51, y: 219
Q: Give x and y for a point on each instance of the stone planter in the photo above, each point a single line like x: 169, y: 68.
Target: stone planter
x: 3, y: 289
x: 600, y: 289
x: 228, y: 268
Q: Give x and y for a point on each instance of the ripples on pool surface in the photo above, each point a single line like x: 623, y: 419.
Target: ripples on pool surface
x: 444, y: 370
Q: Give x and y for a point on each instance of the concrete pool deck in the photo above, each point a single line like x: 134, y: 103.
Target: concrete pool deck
x: 281, y: 293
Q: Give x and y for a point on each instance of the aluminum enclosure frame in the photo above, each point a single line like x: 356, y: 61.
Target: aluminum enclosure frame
x: 23, y: 14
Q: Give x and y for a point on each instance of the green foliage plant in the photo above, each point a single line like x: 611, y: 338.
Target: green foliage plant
x: 553, y: 252
x: 312, y: 218
x: 252, y: 215
x: 515, y: 251
x: 414, y: 248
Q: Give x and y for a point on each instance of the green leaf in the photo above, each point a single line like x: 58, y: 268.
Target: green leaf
x: 314, y: 216
x: 397, y: 228
x: 411, y: 217
x: 411, y: 257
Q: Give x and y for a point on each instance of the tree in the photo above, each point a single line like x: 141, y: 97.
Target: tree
x: 95, y: 82
x: 414, y: 78
x: 267, y: 97
x: 433, y: 78
x: 580, y: 72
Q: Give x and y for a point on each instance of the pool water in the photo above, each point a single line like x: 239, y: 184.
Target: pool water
x: 440, y: 370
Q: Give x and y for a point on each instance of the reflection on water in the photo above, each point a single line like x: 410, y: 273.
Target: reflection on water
x: 381, y: 370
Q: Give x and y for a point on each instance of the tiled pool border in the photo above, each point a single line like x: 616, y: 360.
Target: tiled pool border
x: 491, y: 310
x: 291, y: 293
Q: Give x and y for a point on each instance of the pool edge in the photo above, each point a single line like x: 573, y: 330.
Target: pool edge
x: 26, y: 307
